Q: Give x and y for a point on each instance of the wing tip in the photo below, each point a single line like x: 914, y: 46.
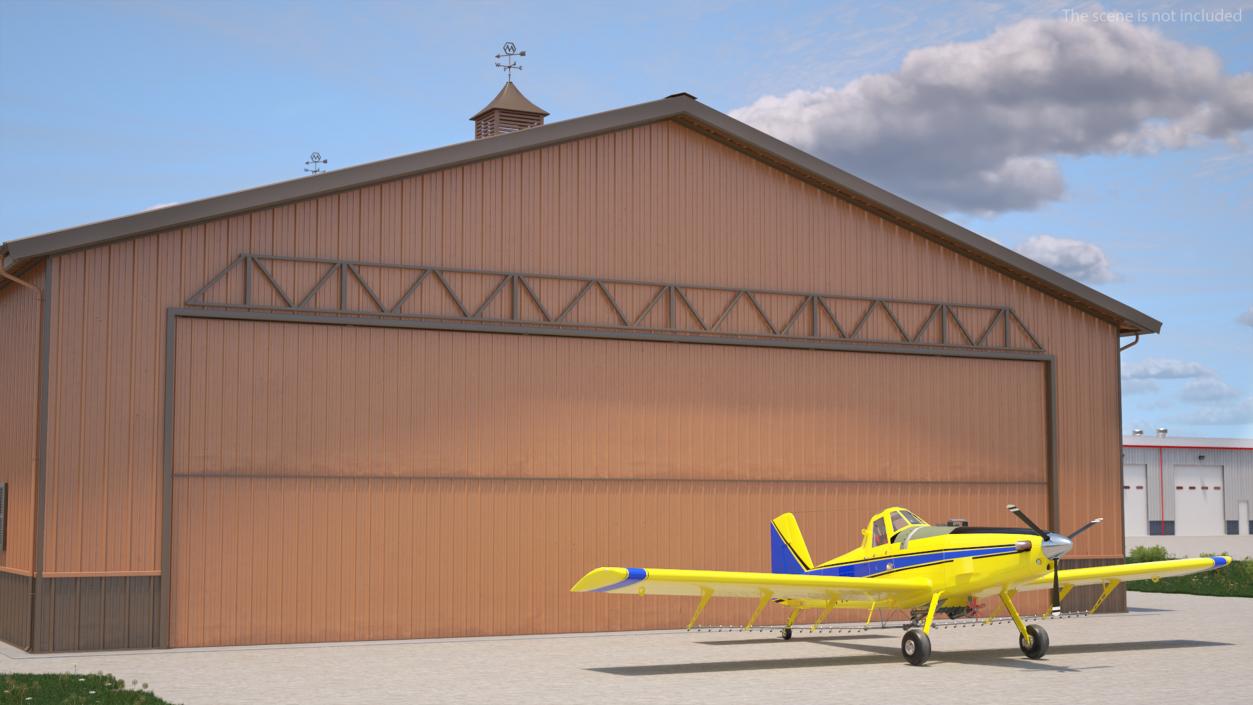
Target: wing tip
x: 605, y: 579
x: 599, y: 578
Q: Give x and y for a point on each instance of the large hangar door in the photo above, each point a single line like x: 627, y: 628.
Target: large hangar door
x: 345, y: 483
x: 1199, y: 500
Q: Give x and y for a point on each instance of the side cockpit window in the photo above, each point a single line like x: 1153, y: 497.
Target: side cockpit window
x: 880, y: 533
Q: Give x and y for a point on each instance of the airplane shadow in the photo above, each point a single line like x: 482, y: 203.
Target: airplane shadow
x: 1007, y: 658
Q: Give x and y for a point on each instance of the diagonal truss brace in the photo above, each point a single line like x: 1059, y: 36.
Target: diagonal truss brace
x: 345, y: 287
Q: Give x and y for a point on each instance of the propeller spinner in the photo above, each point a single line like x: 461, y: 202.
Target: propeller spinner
x: 1054, y: 546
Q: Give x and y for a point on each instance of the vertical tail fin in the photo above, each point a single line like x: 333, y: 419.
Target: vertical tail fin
x: 788, y: 553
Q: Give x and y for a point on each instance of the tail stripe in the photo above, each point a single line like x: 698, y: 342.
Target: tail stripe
x: 788, y: 553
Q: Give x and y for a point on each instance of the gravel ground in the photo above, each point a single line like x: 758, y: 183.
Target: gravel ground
x: 1168, y: 648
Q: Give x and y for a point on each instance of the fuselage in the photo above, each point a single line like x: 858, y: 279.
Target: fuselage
x: 959, y: 561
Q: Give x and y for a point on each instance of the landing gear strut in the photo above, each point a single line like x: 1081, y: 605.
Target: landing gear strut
x: 1033, y: 640
x: 916, y: 644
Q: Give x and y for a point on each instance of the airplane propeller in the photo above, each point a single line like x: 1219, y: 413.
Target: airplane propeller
x: 1054, y: 546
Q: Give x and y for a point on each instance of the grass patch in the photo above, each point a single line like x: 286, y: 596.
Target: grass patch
x: 71, y: 689
x: 1235, y: 580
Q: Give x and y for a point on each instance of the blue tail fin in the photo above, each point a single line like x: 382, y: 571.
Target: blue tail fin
x: 788, y: 553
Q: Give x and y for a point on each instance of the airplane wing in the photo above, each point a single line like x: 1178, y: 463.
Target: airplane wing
x: 717, y: 583
x: 1126, y: 572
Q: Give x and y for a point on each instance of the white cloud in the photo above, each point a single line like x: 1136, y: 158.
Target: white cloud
x: 1247, y: 317
x: 1234, y: 412
x: 1075, y: 258
x: 1163, y: 368
x: 1207, y: 389
x: 1138, y: 386
x: 976, y: 126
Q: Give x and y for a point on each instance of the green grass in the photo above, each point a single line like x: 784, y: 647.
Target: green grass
x: 1235, y: 580
x: 71, y: 689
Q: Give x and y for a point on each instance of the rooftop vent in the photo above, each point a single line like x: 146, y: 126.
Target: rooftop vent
x: 1137, y: 432
x: 1161, y: 433
x: 509, y: 111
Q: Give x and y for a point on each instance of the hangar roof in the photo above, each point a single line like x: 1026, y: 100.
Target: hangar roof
x: 1185, y: 442
x: 680, y: 107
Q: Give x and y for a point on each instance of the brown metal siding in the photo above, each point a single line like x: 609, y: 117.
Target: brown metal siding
x: 19, y: 415
x: 95, y: 613
x: 15, y: 609
x: 362, y: 483
x: 295, y: 560
x: 104, y: 452
x: 288, y: 399
x: 656, y: 202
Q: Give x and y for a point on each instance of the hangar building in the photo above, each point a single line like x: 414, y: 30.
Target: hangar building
x: 1190, y: 495
x: 421, y: 397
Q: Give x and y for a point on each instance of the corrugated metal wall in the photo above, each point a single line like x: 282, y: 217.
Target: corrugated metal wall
x: 319, y: 491
x: 1237, y: 468
x: 19, y: 415
x: 657, y: 202
x: 92, y: 613
x: 15, y: 590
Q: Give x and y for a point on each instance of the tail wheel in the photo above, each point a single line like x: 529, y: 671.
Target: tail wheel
x: 1039, y: 644
x: 787, y: 633
x: 916, y: 647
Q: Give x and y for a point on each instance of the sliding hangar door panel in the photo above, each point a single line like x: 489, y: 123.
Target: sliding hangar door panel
x: 345, y: 483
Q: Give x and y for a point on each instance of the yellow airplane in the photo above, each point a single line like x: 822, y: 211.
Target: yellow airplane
x: 903, y: 562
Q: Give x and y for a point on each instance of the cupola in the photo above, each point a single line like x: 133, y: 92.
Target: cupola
x: 509, y: 111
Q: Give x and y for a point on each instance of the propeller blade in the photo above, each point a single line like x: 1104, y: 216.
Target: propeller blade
x: 1013, y: 508
x: 1086, y: 526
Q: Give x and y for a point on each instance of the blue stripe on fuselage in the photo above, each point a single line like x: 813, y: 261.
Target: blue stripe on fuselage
x: 634, y: 575
x: 869, y: 568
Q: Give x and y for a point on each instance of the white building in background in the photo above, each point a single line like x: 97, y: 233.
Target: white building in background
x: 1191, y: 495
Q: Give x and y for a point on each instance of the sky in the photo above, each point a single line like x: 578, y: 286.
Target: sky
x: 1109, y: 141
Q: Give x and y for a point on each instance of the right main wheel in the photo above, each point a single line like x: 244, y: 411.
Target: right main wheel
x: 916, y: 647
x: 1039, y: 644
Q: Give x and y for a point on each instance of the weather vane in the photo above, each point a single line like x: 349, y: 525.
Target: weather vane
x: 316, y: 161
x: 510, y: 52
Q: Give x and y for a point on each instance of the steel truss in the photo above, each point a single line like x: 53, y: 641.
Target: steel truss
x: 354, y: 288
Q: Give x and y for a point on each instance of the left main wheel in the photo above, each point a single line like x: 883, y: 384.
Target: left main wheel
x: 1039, y: 643
x: 787, y: 633
x: 916, y: 647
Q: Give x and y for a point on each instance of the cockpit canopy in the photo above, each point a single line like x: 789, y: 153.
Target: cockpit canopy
x: 891, y: 522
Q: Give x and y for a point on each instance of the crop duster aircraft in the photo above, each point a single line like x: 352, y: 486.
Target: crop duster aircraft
x: 902, y: 563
